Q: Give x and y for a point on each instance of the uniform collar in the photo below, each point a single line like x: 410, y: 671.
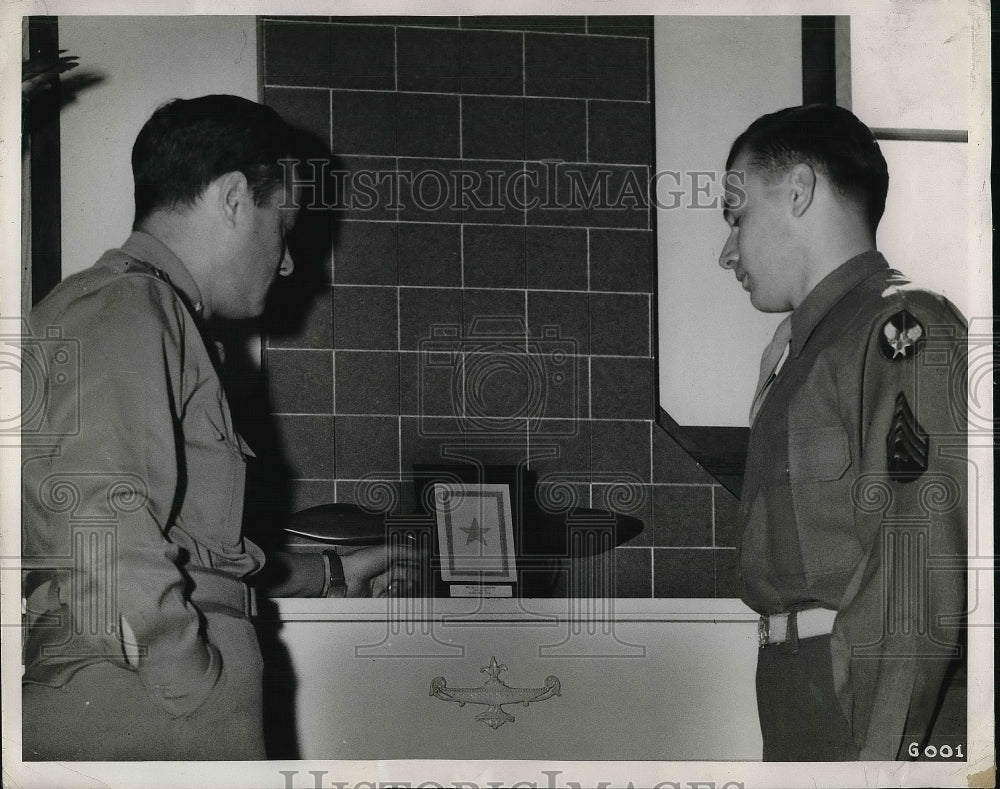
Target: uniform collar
x: 831, y: 289
x: 151, y: 250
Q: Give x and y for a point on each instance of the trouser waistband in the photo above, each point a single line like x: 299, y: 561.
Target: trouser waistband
x: 214, y: 589
x: 211, y: 589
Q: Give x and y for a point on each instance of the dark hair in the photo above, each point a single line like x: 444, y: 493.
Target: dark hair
x: 187, y: 144
x: 828, y: 138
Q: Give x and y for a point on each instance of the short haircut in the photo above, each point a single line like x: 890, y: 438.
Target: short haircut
x: 828, y: 138
x: 187, y: 144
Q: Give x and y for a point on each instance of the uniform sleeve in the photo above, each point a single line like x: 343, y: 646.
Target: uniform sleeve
x: 896, y: 630
x: 127, y: 461
x: 289, y: 574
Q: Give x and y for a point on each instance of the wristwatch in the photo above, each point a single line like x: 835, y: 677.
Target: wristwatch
x: 336, y: 582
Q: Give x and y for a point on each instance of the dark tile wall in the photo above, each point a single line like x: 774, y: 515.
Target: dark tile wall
x: 486, y: 325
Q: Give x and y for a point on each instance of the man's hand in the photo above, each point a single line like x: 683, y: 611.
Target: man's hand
x: 380, y: 570
x: 40, y: 71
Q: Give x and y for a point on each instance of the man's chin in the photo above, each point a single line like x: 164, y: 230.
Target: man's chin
x: 243, y: 313
x: 761, y: 304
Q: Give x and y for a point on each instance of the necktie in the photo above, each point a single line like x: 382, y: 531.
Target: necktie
x: 770, y: 363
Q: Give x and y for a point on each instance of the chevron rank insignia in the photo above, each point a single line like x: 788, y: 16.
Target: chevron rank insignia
x: 901, y: 337
x: 906, y: 444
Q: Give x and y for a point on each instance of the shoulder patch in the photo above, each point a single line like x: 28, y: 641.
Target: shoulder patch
x: 901, y: 337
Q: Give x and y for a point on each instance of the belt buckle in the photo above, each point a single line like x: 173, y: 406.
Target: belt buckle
x: 763, y: 631
x: 250, y: 600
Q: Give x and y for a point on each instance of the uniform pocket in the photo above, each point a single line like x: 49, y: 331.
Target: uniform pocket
x: 820, y: 491
x: 216, y: 465
x: 818, y: 454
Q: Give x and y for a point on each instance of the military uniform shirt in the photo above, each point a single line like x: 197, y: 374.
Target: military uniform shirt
x: 860, y: 444
x: 138, y: 438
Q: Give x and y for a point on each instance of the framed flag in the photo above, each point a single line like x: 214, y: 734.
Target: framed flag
x: 475, y: 532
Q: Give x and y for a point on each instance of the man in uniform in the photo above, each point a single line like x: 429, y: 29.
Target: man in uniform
x: 855, y: 482
x: 139, y: 642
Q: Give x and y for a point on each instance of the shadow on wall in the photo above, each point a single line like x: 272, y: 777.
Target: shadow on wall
x: 268, y: 498
x: 291, y: 300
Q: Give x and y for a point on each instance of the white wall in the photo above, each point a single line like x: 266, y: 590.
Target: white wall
x: 143, y: 61
x: 713, y: 76
x: 924, y: 81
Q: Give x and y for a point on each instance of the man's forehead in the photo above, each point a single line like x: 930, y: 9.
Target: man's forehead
x: 740, y: 170
x: 734, y: 193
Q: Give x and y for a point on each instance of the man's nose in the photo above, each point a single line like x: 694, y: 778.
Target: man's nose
x: 730, y: 254
x: 287, y: 264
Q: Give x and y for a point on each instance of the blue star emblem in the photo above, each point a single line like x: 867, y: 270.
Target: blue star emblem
x: 475, y: 532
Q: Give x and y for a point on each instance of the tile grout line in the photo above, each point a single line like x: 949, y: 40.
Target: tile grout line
x: 590, y: 386
x: 355, y: 220
x: 645, y: 50
x: 598, y: 356
x: 461, y: 253
x: 633, y: 294
x: 527, y: 329
x: 524, y: 143
x: 399, y: 438
x: 399, y: 322
x: 329, y: 135
x: 714, y: 541
x: 652, y: 470
x: 669, y: 548
x: 332, y: 22
x: 652, y: 572
x: 649, y: 326
x: 565, y: 165
x: 524, y: 65
x: 457, y: 93
x: 582, y: 484
x: 599, y: 420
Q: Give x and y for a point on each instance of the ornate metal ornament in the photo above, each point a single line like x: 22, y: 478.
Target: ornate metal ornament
x: 494, y: 693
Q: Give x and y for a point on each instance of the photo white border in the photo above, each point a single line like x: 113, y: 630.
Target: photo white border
x: 980, y: 769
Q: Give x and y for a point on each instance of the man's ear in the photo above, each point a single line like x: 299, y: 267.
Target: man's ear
x: 232, y: 194
x: 802, y: 180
